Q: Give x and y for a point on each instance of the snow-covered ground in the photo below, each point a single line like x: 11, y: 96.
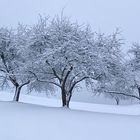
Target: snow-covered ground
x: 101, y: 108
x: 20, y: 121
x: 40, y: 118
x: 133, y: 109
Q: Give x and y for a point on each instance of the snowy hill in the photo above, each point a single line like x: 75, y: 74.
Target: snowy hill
x: 19, y: 121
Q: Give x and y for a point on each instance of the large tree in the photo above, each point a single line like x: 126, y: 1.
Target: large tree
x: 66, y: 55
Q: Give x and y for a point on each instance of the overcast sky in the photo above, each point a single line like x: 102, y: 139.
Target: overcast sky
x: 102, y: 15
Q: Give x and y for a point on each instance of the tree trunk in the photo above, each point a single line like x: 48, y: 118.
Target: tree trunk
x: 65, y: 98
x: 69, y: 98
x: 18, y: 90
x: 139, y: 91
x: 63, y: 95
x: 117, y: 101
x: 17, y: 94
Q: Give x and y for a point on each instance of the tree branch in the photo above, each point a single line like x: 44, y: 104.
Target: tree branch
x: 3, y: 60
x: 65, y: 79
x: 55, y: 73
x: 73, y: 78
x: 44, y: 80
x: 86, y: 77
x: 75, y: 83
x: 121, y: 93
x: 25, y: 84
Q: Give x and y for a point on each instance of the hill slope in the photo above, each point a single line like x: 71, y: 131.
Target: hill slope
x: 19, y: 121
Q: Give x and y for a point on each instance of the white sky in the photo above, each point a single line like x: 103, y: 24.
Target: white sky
x: 102, y: 15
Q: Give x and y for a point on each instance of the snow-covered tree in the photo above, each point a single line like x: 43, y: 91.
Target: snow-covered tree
x: 34, y: 52
x: 66, y: 55
x: 12, y: 63
x: 61, y: 53
x: 134, y: 65
x: 117, y: 80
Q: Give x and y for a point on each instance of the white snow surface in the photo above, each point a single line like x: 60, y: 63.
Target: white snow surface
x: 20, y: 121
x: 101, y: 108
x: 133, y: 109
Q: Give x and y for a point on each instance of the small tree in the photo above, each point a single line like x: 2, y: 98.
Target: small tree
x: 117, y: 80
x: 134, y: 65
